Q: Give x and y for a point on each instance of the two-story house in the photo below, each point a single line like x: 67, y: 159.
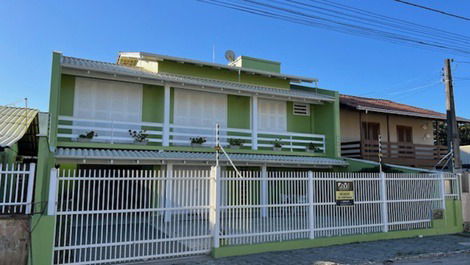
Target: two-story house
x: 151, y: 110
x: 408, y: 133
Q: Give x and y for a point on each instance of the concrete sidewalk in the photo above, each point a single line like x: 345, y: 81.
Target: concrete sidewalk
x: 398, y: 251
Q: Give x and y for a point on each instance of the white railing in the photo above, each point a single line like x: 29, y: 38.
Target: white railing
x: 108, y: 131
x: 16, y: 188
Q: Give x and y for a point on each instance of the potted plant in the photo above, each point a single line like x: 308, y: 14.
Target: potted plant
x: 87, y: 136
x: 313, y: 149
x: 235, y: 143
x: 140, y: 137
x: 277, y: 145
x: 197, y: 141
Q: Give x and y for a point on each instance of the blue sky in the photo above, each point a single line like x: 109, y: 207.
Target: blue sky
x: 31, y: 30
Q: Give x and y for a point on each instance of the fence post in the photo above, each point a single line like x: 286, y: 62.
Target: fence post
x: 442, y: 189
x: 29, y: 194
x: 264, y: 190
x: 168, y: 191
x: 52, y: 201
x: 311, y: 206
x: 214, y: 201
x: 383, y: 198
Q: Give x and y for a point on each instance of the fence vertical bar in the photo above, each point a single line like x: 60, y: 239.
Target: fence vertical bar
x: 29, y: 194
x: 310, y: 205
x: 168, y: 191
x: 442, y: 185
x: 51, y: 202
x: 383, y: 198
x: 214, y: 201
x: 264, y: 190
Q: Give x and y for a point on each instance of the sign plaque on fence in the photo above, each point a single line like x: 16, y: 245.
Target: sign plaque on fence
x: 344, y: 193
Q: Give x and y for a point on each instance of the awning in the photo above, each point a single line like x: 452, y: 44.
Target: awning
x: 140, y: 156
x: 14, y: 123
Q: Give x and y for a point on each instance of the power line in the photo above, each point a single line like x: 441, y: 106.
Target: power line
x: 350, y: 20
x: 433, y: 10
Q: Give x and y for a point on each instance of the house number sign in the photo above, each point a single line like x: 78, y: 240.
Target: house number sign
x: 344, y: 193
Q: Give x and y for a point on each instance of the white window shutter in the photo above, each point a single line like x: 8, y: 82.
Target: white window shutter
x: 272, y: 115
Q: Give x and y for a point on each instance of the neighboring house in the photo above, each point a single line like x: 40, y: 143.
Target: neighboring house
x: 167, y: 101
x: 407, y: 132
x: 18, y: 134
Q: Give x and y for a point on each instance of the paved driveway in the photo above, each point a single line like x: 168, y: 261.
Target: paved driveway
x: 398, y: 250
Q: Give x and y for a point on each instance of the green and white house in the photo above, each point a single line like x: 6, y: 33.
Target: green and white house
x: 125, y: 172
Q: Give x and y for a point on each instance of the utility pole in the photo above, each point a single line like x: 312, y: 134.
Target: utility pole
x: 453, y: 138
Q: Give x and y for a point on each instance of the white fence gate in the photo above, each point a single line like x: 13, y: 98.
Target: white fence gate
x: 106, y: 216
x: 16, y: 188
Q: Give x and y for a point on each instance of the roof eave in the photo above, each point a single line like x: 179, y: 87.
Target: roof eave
x: 141, y: 77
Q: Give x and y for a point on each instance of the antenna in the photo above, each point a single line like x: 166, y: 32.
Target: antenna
x: 230, y: 55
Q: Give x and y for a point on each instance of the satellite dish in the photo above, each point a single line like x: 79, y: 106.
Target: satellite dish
x: 230, y: 55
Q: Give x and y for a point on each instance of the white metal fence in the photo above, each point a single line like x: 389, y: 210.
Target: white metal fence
x: 122, y: 215
x: 108, y: 216
x: 278, y: 206
x: 16, y: 188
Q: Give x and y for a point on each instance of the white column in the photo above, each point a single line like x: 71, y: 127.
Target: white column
x: 442, y: 185
x: 264, y: 190
x: 311, y: 213
x: 52, y: 200
x: 214, y: 203
x: 383, y: 198
x: 166, y: 117
x: 254, y: 122
x: 168, y: 191
x: 29, y: 194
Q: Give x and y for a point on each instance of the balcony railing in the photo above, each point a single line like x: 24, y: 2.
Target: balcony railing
x: 395, y: 152
x: 117, y: 132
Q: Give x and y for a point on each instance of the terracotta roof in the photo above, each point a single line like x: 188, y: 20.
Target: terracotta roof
x: 388, y: 106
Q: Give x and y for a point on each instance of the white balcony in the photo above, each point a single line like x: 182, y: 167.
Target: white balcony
x: 117, y: 132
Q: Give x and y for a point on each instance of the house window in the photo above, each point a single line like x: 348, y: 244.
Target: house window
x: 404, y: 134
x: 272, y: 115
x: 302, y: 109
x: 200, y: 109
x: 107, y: 101
x: 370, y: 131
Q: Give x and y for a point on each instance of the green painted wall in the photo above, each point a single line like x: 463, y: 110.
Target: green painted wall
x: 152, y: 103
x: 298, y: 123
x: 260, y: 64
x: 452, y: 223
x: 238, y: 112
x: 54, y: 97
x: 67, y: 93
x: 42, y: 234
x: 8, y: 156
x: 221, y: 74
x: 327, y: 122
